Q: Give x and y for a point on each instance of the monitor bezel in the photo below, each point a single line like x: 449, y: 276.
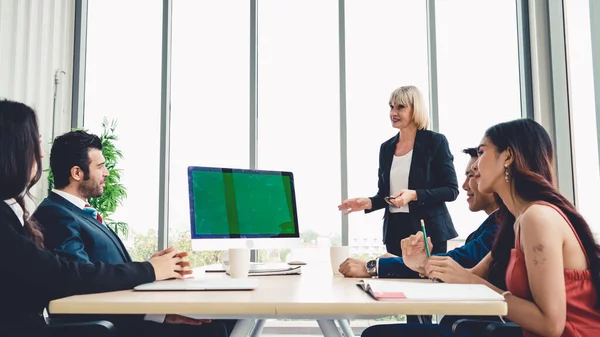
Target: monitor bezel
x: 194, y: 236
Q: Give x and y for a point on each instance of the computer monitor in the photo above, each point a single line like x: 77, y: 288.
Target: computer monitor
x: 235, y: 208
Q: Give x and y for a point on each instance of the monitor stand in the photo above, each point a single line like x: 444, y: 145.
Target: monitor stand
x: 256, y: 266
x: 218, y: 267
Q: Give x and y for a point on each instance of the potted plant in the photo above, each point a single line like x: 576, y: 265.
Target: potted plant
x: 114, y: 191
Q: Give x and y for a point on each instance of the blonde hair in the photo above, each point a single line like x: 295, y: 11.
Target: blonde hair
x: 409, y: 95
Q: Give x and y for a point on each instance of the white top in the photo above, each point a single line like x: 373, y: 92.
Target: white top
x: 399, y: 178
x: 12, y: 203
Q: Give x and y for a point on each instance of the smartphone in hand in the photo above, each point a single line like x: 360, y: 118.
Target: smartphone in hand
x: 388, y: 200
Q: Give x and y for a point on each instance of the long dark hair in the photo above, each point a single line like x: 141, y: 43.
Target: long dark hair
x: 533, y: 179
x: 19, y: 150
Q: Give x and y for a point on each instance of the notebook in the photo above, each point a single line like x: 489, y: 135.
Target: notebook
x: 261, y: 269
x: 191, y: 284
x: 394, y: 290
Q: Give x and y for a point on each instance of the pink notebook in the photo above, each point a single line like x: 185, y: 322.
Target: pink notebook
x: 380, y: 293
x: 383, y: 295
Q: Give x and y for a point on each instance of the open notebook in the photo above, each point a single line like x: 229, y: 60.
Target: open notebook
x: 393, y: 290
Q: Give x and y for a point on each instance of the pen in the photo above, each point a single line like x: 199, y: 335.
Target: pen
x: 425, y: 238
x: 427, y: 245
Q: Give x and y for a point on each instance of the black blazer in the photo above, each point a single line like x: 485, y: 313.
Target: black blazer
x: 432, y: 175
x: 31, y: 277
x: 76, y: 235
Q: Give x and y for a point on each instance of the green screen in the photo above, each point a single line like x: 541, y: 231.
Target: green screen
x: 228, y: 203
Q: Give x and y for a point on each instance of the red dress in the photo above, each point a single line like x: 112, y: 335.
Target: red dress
x: 582, y: 318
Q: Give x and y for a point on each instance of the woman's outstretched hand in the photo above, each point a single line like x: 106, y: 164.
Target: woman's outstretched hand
x: 355, y: 205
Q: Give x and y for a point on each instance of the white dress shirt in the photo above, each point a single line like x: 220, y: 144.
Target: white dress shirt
x: 71, y: 198
x: 81, y: 204
x: 12, y: 203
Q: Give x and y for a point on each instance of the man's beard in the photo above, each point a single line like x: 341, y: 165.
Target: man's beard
x: 89, y: 190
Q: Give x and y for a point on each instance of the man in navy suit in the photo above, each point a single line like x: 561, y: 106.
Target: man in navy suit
x: 75, y: 231
x: 476, y: 247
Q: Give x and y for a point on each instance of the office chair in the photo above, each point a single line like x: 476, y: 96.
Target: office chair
x: 498, y: 329
x: 486, y: 328
x: 82, y: 329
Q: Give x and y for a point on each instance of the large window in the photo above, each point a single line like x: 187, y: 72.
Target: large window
x: 478, y: 81
x: 209, y: 101
x: 386, y: 47
x: 298, y: 109
x: 298, y: 97
x: 123, y: 84
x: 582, y: 107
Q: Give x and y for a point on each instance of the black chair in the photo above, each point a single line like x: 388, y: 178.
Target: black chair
x: 486, y: 328
x: 82, y: 329
x: 498, y: 329
x: 475, y: 327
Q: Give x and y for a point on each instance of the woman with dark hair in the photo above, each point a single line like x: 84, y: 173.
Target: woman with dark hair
x: 545, y: 249
x: 32, y: 276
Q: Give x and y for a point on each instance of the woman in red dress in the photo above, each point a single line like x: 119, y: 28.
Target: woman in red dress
x: 545, y: 247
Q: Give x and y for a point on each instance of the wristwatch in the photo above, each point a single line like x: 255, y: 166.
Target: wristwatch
x: 372, y: 267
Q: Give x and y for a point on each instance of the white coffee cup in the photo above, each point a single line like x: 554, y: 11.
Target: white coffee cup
x: 239, y: 262
x: 338, y: 254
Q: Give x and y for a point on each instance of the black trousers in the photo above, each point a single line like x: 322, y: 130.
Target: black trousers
x: 152, y: 329
x: 444, y: 329
x: 135, y: 325
x: 438, y: 248
x: 398, y: 229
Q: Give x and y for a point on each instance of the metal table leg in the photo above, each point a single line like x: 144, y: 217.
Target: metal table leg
x: 329, y: 328
x: 243, y: 327
x: 260, y: 324
x: 345, y: 326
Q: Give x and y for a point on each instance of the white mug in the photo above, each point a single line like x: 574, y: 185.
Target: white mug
x: 338, y: 254
x: 239, y: 262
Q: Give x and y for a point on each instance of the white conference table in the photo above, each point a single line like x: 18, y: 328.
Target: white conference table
x: 316, y: 294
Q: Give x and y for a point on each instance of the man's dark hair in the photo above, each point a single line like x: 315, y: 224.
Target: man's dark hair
x: 471, y: 152
x: 69, y: 150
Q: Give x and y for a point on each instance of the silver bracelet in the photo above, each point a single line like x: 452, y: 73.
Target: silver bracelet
x: 504, y: 294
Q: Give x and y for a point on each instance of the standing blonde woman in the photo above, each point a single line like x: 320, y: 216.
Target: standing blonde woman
x: 416, y: 178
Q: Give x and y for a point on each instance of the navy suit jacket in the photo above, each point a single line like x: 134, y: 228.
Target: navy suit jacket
x: 76, y: 235
x: 431, y: 175
x: 476, y: 247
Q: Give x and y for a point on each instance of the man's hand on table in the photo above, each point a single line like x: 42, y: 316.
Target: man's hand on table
x: 178, y: 319
x: 354, y: 268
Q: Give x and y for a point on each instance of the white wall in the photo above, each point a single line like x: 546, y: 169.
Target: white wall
x: 36, y: 42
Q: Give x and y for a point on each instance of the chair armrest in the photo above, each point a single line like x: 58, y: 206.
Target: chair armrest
x: 469, y: 326
x: 82, y: 329
x: 498, y: 329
